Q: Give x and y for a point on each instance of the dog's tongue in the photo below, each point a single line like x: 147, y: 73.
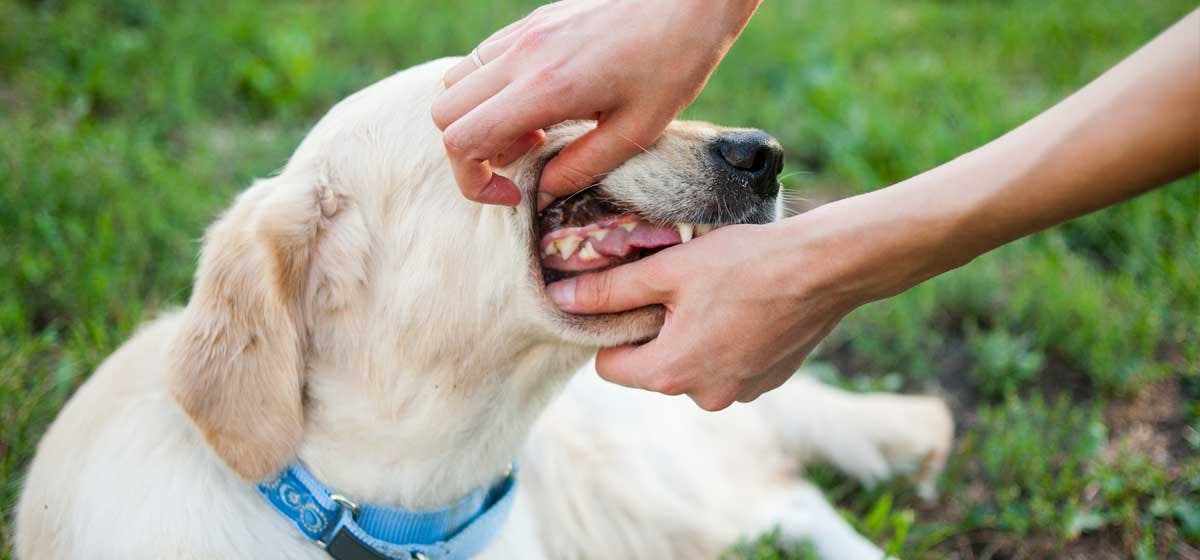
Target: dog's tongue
x: 603, y: 243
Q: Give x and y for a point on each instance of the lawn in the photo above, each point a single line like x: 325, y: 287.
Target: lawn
x: 1070, y: 358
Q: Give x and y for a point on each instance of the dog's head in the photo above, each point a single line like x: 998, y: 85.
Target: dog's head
x: 361, y: 259
x: 696, y: 178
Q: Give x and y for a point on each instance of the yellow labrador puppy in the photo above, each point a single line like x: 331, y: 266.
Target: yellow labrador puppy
x: 366, y: 353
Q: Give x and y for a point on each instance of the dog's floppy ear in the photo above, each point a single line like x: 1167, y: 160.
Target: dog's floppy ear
x: 237, y: 363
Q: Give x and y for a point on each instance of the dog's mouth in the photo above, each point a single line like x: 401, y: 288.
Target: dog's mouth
x: 586, y: 233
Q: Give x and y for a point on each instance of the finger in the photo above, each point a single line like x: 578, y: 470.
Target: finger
x: 489, y: 50
x: 495, y: 189
x: 619, y: 137
x: 468, y: 94
x: 518, y: 148
x: 625, y: 287
x: 494, y: 125
x: 640, y: 367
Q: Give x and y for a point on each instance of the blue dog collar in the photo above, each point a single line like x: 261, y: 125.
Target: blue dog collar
x: 348, y: 531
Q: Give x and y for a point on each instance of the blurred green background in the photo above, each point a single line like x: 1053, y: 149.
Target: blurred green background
x: 1071, y: 358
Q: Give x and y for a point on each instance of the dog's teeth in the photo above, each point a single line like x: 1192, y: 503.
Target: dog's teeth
x: 629, y: 226
x: 567, y: 246
x: 685, y: 232
x: 702, y: 229
x: 551, y: 249
x: 599, y: 234
x: 587, y: 253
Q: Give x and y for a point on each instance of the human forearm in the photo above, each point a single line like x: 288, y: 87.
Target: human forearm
x: 1135, y: 127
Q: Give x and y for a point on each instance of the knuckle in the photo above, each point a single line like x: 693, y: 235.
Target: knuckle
x: 599, y: 290
x: 441, y: 116
x: 643, y: 137
x: 533, y: 38
x: 453, y: 144
x: 462, y: 143
x: 550, y: 79
x: 668, y: 383
x: 713, y: 401
x: 655, y: 278
x: 474, y: 195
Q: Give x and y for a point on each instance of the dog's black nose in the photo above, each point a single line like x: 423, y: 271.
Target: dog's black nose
x: 756, y: 156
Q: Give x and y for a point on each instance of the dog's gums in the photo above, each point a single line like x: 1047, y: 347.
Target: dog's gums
x: 585, y: 233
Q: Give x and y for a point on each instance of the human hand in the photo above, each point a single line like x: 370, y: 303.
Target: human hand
x: 746, y: 304
x: 632, y: 66
x: 743, y: 311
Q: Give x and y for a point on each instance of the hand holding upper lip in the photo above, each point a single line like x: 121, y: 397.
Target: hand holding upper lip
x: 632, y: 66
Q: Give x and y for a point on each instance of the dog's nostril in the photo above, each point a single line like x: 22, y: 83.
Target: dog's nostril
x: 744, y: 156
x: 756, y: 154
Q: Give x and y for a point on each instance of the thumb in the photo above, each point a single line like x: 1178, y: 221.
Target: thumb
x: 617, y: 138
x: 625, y: 287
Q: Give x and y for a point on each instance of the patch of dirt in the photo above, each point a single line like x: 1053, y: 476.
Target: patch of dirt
x: 1152, y: 423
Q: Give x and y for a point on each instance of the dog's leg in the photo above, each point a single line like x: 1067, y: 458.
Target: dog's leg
x: 870, y: 437
x: 803, y: 516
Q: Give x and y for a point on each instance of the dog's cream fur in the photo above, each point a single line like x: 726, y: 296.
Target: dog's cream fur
x: 357, y: 313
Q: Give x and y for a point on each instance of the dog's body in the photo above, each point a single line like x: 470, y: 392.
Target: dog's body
x: 357, y: 314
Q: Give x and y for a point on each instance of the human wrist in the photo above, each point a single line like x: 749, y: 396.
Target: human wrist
x: 875, y: 245
x: 731, y: 15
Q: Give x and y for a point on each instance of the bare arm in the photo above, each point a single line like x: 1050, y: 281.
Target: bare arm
x: 1134, y: 128
x: 746, y: 304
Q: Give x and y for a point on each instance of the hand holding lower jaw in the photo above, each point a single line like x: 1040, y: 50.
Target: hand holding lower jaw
x: 727, y: 335
x: 746, y: 304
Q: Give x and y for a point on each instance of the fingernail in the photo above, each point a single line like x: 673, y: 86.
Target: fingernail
x: 544, y: 200
x: 500, y: 191
x: 563, y: 292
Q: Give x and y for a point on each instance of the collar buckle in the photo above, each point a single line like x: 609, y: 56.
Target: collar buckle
x: 346, y: 503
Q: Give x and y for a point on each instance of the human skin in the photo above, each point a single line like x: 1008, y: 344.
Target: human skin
x: 745, y: 305
x: 630, y: 65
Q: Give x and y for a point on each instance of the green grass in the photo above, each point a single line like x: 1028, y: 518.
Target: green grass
x: 125, y: 125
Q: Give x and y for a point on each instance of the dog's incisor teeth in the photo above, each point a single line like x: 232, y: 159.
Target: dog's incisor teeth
x: 587, y: 253
x: 567, y: 246
x: 685, y: 232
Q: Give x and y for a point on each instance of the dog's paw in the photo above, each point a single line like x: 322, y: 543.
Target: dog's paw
x: 899, y: 436
x: 921, y: 443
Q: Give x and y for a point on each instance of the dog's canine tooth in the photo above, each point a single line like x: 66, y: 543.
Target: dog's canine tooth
x: 567, y: 246
x: 702, y: 229
x: 587, y: 253
x: 685, y: 232
x: 629, y: 226
x: 599, y: 234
